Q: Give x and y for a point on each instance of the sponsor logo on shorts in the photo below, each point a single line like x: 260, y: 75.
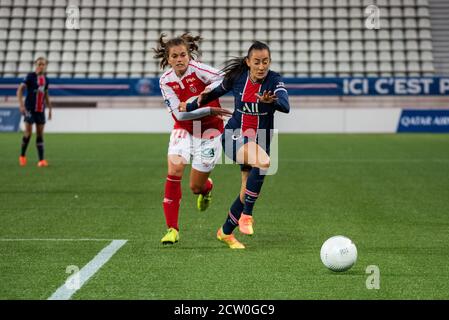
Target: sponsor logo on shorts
x: 208, y: 153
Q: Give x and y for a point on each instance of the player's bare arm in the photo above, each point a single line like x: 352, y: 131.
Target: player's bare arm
x: 20, y: 98
x: 49, y: 105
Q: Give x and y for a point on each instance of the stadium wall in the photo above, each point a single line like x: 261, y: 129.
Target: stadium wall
x: 158, y: 121
x: 327, y: 105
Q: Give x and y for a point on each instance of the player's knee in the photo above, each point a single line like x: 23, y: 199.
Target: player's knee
x: 175, y: 171
x: 196, y: 189
x: 264, y: 164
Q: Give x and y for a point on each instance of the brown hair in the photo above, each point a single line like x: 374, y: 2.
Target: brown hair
x: 163, y: 47
x: 39, y: 59
x: 236, y: 66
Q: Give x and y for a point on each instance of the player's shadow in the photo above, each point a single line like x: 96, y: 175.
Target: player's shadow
x: 347, y: 273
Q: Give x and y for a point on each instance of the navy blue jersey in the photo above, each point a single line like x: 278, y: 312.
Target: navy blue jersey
x: 250, y: 115
x: 37, y: 87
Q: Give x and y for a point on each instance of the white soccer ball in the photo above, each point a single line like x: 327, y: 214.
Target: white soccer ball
x: 338, y: 253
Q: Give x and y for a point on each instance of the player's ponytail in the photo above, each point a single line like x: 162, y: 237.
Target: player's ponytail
x: 163, y: 47
x: 236, y: 66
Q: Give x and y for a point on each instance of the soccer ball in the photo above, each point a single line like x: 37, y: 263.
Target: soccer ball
x: 338, y: 253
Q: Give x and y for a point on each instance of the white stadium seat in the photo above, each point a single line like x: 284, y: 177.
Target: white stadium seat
x: 329, y: 34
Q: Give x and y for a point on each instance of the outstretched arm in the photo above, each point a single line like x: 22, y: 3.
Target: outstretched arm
x: 207, y: 97
x: 281, y: 104
x: 173, y: 104
x: 202, y: 112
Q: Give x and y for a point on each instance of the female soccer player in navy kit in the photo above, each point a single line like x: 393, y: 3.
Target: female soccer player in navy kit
x: 37, y: 99
x: 258, y: 93
x: 185, y: 79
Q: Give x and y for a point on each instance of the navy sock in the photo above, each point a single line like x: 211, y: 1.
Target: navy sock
x: 232, y: 220
x: 253, y: 186
x: 40, y: 147
x: 25, y: 141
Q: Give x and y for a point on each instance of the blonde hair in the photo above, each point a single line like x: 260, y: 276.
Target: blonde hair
x: 39, y: 59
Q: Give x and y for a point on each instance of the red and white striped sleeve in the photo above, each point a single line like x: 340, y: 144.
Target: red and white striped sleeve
x: 170, y: 97
x: 209, y: 75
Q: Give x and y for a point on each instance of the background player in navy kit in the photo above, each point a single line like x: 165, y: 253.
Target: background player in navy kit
x: 258, y: 93
x: 36, y: 84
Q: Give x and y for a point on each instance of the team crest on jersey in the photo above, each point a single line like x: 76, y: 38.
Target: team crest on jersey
x: 192, y: 89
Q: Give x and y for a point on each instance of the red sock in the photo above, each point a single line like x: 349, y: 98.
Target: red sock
x: 172, y: 199
x: 207, y: 187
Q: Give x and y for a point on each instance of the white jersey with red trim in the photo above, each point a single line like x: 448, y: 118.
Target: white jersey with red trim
x: 197, y: 77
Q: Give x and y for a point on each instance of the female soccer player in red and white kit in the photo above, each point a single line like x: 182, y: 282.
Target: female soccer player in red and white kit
x: 196, y: 141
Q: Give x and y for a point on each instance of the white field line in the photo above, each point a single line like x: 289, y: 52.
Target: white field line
x: 65, y: 291
x: 44, y: 239
x: 442, y: 160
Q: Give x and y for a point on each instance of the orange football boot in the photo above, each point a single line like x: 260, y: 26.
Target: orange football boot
x: 42, y: 163
x: 229, y: 239
x: 246, y: 224
x: 22, y: 161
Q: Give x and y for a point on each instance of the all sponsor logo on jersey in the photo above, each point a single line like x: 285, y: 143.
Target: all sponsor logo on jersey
x: 251, y: 107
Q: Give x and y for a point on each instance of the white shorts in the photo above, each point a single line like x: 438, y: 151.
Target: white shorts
x: 203, y: 153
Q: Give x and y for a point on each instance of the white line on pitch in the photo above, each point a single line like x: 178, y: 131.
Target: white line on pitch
x: 51, y: 239
x: 65, y: 293
x: 365, y: 160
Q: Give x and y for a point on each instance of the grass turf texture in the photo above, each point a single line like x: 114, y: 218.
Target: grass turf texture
x: 388, y: 193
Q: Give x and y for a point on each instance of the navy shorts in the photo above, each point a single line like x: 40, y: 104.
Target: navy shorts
x: 232, y: 142
x: 34, y: 117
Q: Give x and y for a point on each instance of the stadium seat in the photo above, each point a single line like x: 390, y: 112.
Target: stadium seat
x: 67, y: 68
x: 27, y: 46
x: 357, y: 56
x: 80, y: 67
x: 12, y: 56
x: 96, y: 56
x: 358, y: 67
x: 29, y: 35
x: 398, y: 56
x: 82, y: 56
x: 426, y: 56
x: 427, y: 68
x: 68, y: 56
x: 385, y: 56
x: 15, y: 35
x: 343, y: 69
x: 324, y: 31
x: 13, y: 24
x: 330, y: 56
x: 82, y: 46
x: 109, y: 57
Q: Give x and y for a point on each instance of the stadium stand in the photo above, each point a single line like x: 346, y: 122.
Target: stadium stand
x: 309, y: 38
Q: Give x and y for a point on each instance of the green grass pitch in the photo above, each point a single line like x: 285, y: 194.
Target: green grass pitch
x: 388, y: 193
